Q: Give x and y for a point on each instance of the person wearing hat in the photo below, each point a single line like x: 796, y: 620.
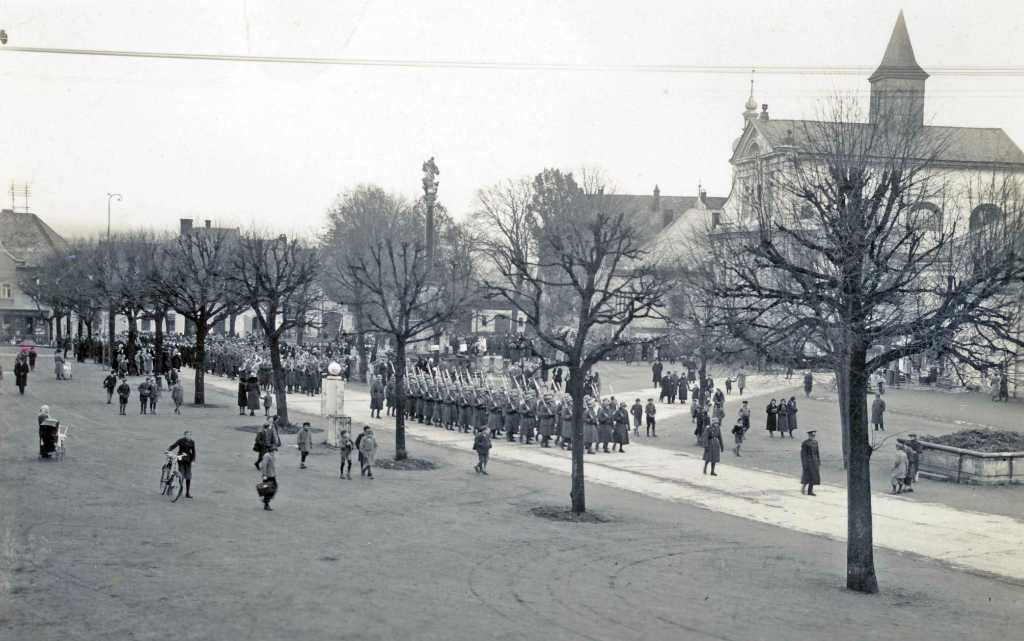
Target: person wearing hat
x: 145, y: 390
x: 546, y: 411
x: 604, y: 425
x: 123, y: 392
x: 620, y: 428
x: 589, y: 425
x: 565, y: 408
x: 154, y: 394
x: 810, y: 461
x: 900, y: 467
x: 713, y: 446
x: 304, y: 441
x: 637, y: 410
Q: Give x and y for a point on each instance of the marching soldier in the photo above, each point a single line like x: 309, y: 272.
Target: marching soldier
x: 565, y: 421
x: 546, y: 419
x: 510, y: 415
x: 589, y: 424
x: 527, y: 417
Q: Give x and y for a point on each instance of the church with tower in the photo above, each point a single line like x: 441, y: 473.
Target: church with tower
x: 964, y: 155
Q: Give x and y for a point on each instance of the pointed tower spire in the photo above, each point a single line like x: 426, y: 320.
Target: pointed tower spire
x: 750, y: 109
x: 897, y: 86
x: 899, y: 60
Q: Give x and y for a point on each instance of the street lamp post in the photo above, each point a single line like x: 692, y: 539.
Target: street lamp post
x: 110, y: 305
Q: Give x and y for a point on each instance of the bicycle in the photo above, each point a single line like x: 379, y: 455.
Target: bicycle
x: 171, y: 482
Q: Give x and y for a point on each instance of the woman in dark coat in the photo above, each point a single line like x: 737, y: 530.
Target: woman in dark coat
x: 782, y: 423
x: 810, y: 461
x: 712, y: 446
x: 21, y: 368
x: 243, y: 398
x: 791, y: 406
x: 772, y: 411
x: 252, y: 394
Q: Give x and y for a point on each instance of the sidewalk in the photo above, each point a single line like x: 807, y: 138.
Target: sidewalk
x: 972, y: 541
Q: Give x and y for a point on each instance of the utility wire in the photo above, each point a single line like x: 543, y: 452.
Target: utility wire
x: 793, y: 70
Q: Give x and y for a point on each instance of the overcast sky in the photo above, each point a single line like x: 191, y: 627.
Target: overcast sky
x: 273, y: 144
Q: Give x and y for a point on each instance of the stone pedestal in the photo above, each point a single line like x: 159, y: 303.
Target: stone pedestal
x: 332, y: 408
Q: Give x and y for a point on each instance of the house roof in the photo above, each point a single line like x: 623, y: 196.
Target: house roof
x: 955, y: 144
x: 27, y: 238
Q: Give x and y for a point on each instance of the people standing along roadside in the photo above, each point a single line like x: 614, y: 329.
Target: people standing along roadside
x: 783, y: 418
x: 252, y: 395
x: 741, y: 381
x: 154, y: 395
x: 377, y: 393
x: 650, y: 411
x: 791, y: 413
x: 810, y: 462
x: 243, y: 397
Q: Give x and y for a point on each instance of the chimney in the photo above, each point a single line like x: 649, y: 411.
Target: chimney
x: 207, y: 223
x: 703, y: 195
x: 186, y: 225
x: 656, y: 203
x: 764, y: 112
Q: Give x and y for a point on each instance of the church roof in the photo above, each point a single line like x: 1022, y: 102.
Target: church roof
x: 899, y: 60
x: 955, y: 144
x: 27, y: 238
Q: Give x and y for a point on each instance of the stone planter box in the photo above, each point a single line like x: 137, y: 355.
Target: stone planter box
x: 970, y: 466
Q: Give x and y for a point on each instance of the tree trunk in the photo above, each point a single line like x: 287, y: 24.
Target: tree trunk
x: 577, y: 492
x: 860, y: 560
x: 843, y: 390
x: 158, y: 340
x: 133, y: 335
x: 231, y: 321
x: 357, y: 312
x: 400, y: 451
x: 111, y: 333
x: 199, y: 363
x: 280, y: 386
x: 78, y: 328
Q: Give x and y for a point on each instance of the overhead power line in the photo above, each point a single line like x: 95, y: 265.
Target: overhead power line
x: 793, y: 70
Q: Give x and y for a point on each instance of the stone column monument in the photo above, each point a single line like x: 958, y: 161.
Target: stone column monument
x: 332, y: 404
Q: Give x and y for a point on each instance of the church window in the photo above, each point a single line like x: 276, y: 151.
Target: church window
x: 6, y: 291
x: 984, y: 215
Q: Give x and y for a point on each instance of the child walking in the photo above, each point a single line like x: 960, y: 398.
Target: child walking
x: 482, y: 445
x: 346, y: 446
x: 650, y: 410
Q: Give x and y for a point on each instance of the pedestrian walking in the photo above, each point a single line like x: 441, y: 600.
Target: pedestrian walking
x: 772, y: 417
x: 638, y: 413
x: 744, y: 416
x: 728, y: 386
x: 791, y: 410
x: 783, y: 418
x: 913, y: 449
x: 482, y: 447
x: 345, y: 445
x: 110, y: 384
x: 268, y: 469
x: 713, y: 446
x: 620, y: 428
x: 650, y: 411
x: 32, y: 356
x: 123, y: 392
x: 741, y: 381
x: 187, y: 452
x: 304, y: 438
x: 810, y: 462
x: 21, y: 369
x: 267, y: 439
x: 656, y: 370
x: 58, y: 364
x: 738, y: 434
x: 878, y: 413
x: 367, y: 444
x: 177, y: 396
x: 808, y: 383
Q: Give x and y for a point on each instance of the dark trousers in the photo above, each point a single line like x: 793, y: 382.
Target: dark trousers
x: 144, y: 403
x: 304, y: 455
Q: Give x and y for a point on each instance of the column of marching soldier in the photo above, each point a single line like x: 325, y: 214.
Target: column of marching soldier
x: 516, y: 411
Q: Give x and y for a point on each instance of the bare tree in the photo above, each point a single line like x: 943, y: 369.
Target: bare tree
x: 408, y: 295
x: 192, y: 278
x: 844, y: 250
x: 587, y: 281
x: 272, y: 276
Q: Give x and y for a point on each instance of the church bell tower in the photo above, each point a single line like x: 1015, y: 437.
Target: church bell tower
x: 897, y: 86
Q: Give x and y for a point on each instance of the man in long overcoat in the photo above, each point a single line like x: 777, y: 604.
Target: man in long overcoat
x: 810, y: 461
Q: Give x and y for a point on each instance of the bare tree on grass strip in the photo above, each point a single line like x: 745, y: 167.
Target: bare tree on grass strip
x: 193, y: 280
x: 842, y: 248
x: 273, y: 275
x: 580, y: 289
x: 408, y: 295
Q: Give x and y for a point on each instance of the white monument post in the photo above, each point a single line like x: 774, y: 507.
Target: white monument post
x: 332, y: 404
